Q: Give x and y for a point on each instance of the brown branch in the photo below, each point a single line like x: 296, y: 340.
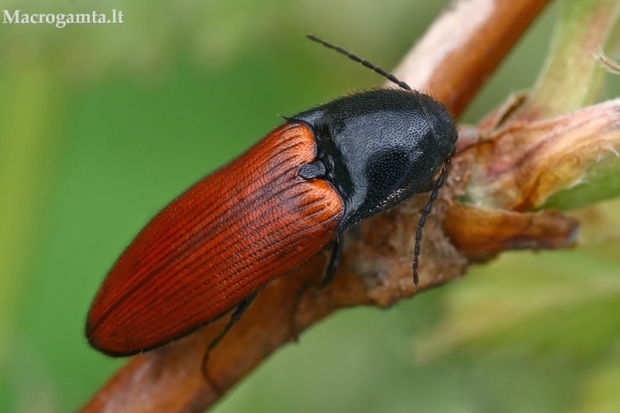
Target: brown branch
x: 462, y: 48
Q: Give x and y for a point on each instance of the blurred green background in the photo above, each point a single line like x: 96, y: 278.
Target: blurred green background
x: 102, y: 125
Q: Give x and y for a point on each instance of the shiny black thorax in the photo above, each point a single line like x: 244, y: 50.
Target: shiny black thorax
x: 378, y: 147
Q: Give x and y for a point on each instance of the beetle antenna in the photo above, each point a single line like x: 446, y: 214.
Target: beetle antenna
x: 427, y: 210
x: 366, y: 63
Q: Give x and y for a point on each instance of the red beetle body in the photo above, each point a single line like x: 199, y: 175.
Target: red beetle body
x: 213, y: 246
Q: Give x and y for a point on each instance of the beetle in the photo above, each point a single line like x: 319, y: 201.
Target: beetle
x: 270, y: 210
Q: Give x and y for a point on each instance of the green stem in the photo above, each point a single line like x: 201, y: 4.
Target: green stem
x: 572, y: 76
x: 26, y: 122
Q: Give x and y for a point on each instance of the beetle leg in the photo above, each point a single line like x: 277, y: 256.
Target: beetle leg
x: 241, y: 307
x: 236, y: 315
x: 332, y: 265
x: 330, y: 273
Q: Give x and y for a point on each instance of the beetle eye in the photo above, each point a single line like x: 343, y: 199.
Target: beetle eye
x: 313, y: 170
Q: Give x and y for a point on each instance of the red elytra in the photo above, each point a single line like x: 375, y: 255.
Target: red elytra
x: 216, y: 244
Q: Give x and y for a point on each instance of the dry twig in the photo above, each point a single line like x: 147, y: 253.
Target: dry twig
x: 451, y: 63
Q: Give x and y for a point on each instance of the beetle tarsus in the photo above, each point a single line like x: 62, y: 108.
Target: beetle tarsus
x: 205, y: 373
